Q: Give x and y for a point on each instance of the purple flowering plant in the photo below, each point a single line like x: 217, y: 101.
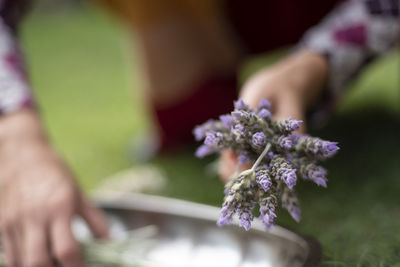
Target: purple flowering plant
x: 278, y: 155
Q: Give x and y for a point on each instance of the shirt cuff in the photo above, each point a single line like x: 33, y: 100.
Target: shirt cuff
x: 15, y: 92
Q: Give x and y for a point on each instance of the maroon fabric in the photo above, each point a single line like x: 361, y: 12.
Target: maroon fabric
x: 355, y: 35
x: 13, y: 11
x: 263, y: 25
x: 210, y: 99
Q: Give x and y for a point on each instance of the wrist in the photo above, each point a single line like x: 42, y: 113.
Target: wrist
x: 21, y: 129
x: 20, y: 124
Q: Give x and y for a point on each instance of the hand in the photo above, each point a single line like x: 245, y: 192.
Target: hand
x: 291, y: 86
x: 38, y: 198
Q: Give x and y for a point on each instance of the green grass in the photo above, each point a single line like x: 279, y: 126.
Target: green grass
x: 86, y: 79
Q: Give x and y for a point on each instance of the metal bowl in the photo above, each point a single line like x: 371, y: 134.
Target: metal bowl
x: 188, y: 236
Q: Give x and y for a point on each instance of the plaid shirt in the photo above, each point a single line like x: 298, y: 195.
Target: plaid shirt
x: 351, y: 36
x: 355, y: 32
x: 15, y: 92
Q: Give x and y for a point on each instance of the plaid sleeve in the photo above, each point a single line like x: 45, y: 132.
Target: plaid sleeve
x: 352, y: 35
x: 15, y: 92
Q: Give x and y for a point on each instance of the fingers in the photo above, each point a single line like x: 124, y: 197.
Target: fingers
x: 64, y: 246
x: 10, y: 248
x: 35, y: 246
x: 229, y: 165
x: 95, y: 219
x: 288, y: 106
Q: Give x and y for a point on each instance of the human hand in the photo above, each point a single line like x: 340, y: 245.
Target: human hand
x: 291, y: 86
x: 38, y: 198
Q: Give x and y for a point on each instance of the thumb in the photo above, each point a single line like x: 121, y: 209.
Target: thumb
x: 95, y: 219
x: 290, y: 107
x: 228, y: 165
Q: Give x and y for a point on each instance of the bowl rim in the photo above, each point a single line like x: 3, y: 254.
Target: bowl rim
x: 183, y: 208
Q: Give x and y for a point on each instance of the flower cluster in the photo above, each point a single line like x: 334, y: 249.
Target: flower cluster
x: 278, y: 155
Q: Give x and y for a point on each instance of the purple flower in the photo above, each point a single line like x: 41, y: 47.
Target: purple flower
x: 225, y: 210
x: 238, y: 129
x: 291, y: 203
x: 200, y: 131
x: 240, y: 105
x: 329, y: 148
x: 245, y: 220
x: 295, y: 138
x: 289, y: 177
x: 264, y: 113
x: 226, y: 121
x: 294, y: 211
x: 258, y: 140
x: 203, y: 151
x: 320, y: 181
x: 293, y: 125
x: 264, y: 104
x: 267, y: 215
x: 318, y: 175
x: 241, y: 115
x: 270, y: 155
x: 284, y: 142
x: 287, y: 126
x: 226, y: 215
x: 315, y: 173
x: 289, y: 157
x: 239, y: 132
x: 271, y: 182
x: 244, y: 157
x: 213, y: 139
x: 282, y: 170
x: 263, y: 179
x: 317, y: 147
x: 224, y: 220
x: 266, y: 183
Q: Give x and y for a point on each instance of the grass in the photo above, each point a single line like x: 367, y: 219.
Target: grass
x: 84, y: 85
x: 85, y: 76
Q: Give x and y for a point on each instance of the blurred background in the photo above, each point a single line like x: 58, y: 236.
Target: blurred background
x: 86, y: 78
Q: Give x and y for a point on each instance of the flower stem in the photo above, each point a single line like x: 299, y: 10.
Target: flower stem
x: 258, y: 161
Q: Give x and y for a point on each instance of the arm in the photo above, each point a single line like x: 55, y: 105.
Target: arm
x: 330, y: 55
x: 38, y: 195
x: 327, y: 58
